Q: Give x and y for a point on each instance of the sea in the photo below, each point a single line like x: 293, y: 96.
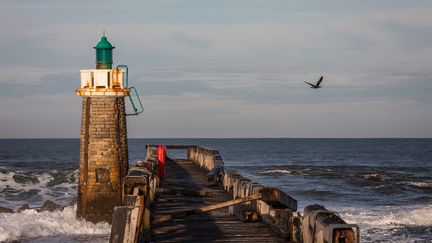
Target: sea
x: 383, y: 185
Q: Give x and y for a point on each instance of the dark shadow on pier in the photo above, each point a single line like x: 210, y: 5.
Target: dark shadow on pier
x: 185, y: 175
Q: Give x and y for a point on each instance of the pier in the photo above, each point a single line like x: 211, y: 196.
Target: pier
x: 196, y: 199
x: 186, y: 187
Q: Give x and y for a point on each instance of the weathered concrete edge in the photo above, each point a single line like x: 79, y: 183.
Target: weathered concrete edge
x: 240, y: 186
x: 284, y: 221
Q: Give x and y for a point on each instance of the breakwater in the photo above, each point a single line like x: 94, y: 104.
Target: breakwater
x: 251, y: 202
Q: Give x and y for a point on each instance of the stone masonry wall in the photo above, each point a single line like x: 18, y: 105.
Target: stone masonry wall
x: 103, y: 157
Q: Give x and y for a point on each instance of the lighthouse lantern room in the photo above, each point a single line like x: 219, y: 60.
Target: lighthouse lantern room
x: 104, y: 81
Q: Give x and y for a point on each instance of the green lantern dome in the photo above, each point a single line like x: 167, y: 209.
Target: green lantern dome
x: 104, y: 58
x: 104, y: 44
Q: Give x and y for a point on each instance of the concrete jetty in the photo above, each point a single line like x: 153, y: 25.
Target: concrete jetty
x: 186, y: 187
x: 198, y: 200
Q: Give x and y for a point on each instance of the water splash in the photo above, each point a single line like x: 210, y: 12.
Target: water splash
x: 30, y: 224
x: 391, y: 223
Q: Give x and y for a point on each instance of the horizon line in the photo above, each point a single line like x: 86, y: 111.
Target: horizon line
x: 6, y: 138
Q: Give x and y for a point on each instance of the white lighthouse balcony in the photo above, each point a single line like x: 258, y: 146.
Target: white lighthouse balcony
x: 103, y: 82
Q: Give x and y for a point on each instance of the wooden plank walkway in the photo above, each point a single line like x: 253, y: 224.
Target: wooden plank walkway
x: 214, y: 226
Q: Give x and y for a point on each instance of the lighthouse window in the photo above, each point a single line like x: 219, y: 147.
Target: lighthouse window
x: 109, y: 79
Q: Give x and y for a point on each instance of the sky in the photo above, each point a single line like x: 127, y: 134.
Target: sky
x: 226, y: 68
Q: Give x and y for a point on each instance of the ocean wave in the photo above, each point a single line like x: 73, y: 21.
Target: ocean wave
x: 391, y: 216
x: 17, y: 188
x: 276, y: 171
x: 319, y: 193
x: 392, y: 223
x: 420, y: 184
x: 30, y: 224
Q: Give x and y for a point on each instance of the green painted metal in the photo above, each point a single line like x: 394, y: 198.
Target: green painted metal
x: 104, y: 58
x: 135, y: 109
x: 132, y: 90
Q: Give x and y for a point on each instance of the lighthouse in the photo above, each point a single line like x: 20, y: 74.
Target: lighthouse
x: 103, y: 136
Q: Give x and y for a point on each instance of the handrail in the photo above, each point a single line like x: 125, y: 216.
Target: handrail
x: 136, y: 112
x: 126, y: 85
x: 125, y: 67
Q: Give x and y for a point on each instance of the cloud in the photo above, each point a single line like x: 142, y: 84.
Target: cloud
x: 175, y: 88
x: 410, y: 37
x: 176, y: 116
x: 224, y: 68
x: 214, y: 117
x: 38, y: 81
x: 43, y: 116
x: 191, y: 41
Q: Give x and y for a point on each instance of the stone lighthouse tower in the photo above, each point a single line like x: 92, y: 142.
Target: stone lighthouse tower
x: 103, y: 138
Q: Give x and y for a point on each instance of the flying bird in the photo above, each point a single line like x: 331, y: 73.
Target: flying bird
x: 317, y: 85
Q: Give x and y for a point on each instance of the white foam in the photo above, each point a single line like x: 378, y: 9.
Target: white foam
x: 30, y: 224
x: 376, y: 222
x: 373, y: 175
x: 420, y: 184
x: 391, y: 216
x: 276, y: 171
x: 44, y: 192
